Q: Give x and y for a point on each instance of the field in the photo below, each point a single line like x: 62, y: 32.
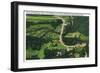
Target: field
x: 54, y: 37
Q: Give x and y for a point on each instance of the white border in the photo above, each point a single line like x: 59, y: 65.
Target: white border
x: 55, y: 62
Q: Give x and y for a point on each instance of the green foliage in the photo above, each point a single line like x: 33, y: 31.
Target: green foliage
x: 41, y: 54
x: 42, y: 37
x: 30, y: 53
x: 81, y: 24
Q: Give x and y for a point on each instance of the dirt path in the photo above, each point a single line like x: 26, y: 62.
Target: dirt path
x: 68, y: 48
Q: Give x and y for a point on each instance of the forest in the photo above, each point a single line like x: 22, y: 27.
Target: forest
x: 56, y: 36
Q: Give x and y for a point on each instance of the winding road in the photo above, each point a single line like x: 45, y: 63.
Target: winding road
x: 68, y: 48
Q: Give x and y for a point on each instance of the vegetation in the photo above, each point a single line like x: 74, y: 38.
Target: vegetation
x: 50, y: 37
